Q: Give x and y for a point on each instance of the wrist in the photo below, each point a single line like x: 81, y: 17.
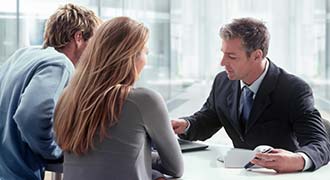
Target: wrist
x: 187, y: 125
x: 300, y: 162
x: 307, y: 161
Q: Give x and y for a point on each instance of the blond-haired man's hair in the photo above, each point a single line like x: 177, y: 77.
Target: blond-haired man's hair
x: 65, y: 22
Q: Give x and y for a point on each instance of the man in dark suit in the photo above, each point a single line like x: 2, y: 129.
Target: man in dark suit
x: 259, y: 103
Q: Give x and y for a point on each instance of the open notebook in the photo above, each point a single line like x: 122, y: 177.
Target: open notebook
x: 187, y: 146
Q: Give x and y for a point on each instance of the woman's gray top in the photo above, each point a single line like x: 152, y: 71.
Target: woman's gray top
x: 126, y: 154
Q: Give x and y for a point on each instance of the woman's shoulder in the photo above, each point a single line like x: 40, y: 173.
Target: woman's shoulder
x: 144, y: 92
x: 144, y: 95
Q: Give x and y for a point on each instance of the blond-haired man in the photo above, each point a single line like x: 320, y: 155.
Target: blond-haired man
x: 30, y: 84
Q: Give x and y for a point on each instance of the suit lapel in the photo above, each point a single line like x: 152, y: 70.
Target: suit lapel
x: 262, y: 99
x: 232, y: 104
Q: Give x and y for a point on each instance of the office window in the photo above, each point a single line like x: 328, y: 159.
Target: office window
x: 155, y: 15
x: 184, y: 35
x: 111, y: 8
x: 8, y: 29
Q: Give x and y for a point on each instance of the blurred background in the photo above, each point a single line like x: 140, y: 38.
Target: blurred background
x: 184, y: 42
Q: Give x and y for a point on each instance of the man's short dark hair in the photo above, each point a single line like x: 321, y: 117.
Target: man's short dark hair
x: 252, y: 32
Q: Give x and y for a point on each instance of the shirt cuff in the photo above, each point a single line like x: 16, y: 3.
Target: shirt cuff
x: 187, y: 128
x: 308, y: 161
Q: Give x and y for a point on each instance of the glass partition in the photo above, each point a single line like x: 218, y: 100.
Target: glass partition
x: 8, y: 29
x: 184, y: 35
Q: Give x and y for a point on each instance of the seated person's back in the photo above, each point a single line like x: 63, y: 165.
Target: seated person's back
x: 31, y: 81
x: 126, y: 153
x: 103, y: 124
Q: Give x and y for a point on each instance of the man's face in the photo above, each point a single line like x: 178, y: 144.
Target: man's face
x: 235, y: 60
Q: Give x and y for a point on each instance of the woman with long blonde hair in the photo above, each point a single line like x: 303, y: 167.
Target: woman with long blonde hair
x: 103, y: 124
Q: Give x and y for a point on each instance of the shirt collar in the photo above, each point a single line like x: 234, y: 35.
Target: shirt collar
x: 256, y: 84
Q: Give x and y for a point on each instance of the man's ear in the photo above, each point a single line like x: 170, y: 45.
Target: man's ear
x: 257, y: 54
x: 78, y: 38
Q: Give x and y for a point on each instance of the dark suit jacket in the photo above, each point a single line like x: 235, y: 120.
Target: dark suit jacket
x: 282, y: 116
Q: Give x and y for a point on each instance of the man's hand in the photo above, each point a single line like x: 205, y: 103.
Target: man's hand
x: 280, y: 160
x: 179, y: 125
x: 161, y: 178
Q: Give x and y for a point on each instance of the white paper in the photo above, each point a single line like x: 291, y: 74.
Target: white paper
x: 238, y: 158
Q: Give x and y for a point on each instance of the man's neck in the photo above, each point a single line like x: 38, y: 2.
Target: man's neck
x: 69, y: 52
x: 254, y: 75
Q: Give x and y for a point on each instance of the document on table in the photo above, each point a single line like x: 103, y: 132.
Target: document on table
x: 237, y: 158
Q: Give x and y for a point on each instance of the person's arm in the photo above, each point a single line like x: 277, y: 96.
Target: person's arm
x: 157, y: 124
x: 310, y: 133
x: 308, y: 127
x: 34, y: 115
x: 204, y: 123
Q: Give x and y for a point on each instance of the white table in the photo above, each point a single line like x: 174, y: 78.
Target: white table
x: 204, y: 165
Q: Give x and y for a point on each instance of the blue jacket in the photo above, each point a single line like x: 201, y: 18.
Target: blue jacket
x: 30, y: 84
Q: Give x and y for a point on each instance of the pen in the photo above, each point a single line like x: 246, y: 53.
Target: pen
x: 249, y: 164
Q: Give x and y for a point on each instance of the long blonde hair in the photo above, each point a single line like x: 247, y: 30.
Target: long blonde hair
x: 94, y: 97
